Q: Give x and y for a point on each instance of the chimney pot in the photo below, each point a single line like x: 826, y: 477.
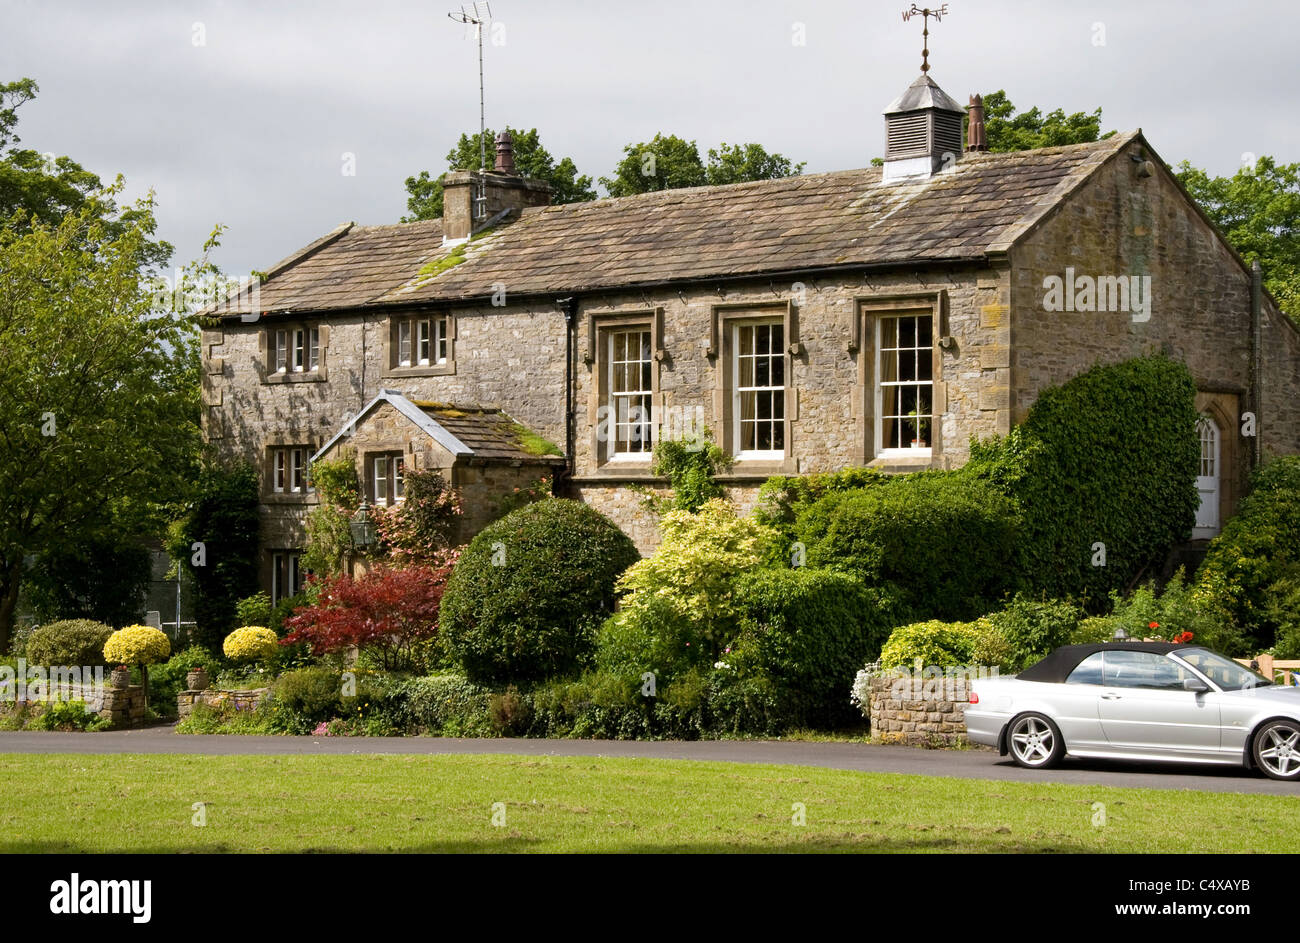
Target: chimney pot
x: 505, y: 154
x: 975, y: 139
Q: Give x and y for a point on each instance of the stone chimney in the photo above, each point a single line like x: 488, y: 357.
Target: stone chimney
x: 922, y: 132
x: 505, y: 153
x: 975, y: 139
x: 470, y: 200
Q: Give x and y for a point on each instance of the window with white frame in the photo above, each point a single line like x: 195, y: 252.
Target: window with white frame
x: 905, y: 382
x: 295, y: 350
x: 631, y: 370
x: 758, y: 406
x: 290, y: 470
x: 387, y: 485
x: 421, y: 342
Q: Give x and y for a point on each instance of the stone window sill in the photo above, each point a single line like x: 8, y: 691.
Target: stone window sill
x: 441, y: 370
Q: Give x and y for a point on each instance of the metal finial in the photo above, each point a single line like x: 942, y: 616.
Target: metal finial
x: 925, y: 14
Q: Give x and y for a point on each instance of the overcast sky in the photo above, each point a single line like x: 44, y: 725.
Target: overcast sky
x: 241, y: 112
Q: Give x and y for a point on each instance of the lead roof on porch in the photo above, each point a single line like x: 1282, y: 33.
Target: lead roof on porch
x: 980, y: 208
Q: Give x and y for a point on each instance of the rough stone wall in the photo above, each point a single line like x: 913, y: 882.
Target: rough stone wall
x: 1122, y: 224
x: 243, y: 700
x: 488, y: 488
x: 922, y: 713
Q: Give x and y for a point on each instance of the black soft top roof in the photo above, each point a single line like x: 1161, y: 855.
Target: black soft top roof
x: 1058, y: 665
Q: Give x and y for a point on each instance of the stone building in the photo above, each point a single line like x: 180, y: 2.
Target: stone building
x: 877, y: 316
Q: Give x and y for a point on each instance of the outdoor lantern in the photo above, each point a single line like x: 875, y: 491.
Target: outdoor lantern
x: 1119, y: 636
x: 363, y: 528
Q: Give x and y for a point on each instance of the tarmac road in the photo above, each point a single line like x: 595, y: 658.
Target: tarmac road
x: 967, y: 764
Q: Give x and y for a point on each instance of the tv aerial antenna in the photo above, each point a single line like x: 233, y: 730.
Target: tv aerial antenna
x: 478, y: 17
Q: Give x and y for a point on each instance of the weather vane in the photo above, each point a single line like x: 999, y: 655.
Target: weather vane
x: 925, y: 13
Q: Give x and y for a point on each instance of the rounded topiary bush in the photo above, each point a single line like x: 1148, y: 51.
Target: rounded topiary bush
x: 525, y: 598
x: 137, y: 645
x: 71, y: 642
x: 947, y: 541
x: 251, y: 643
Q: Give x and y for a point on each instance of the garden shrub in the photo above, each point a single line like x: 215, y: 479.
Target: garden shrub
x: 138, y: 645
x: 524, y: 600
x: 782, y: 499
x: 1253, y: 564
x: 946, y: 541
x: 1110, y: 457
x: 808, y: 631
x: 314, y: 694
x: 251, y: 643
x: 1150, y: 612
x: 682, y: 605
x: 691, y: 465
x: 254, y: 610
x: 63, y: 715
x: 1028, y: 630
x: 942, y: 644
x: 168, y: 679
x: 446, y: 705
x: 72, y: 642
x: 384, y: 612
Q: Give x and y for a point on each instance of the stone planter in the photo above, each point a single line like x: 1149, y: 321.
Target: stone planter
x: 197, y: 680
x: 120, y: 677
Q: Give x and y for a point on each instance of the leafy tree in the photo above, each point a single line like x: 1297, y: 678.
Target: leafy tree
x: 217, y: 540
x: 665, y: 163
x: 1258, y: 211
x: 1008, y: 131
x: 329, y: 534
x: 385, y: 612
x: 531, y: 160
x: 104, y: 576
x: 98, y: 391
x: 46, y: 187
x: 668, y: 163
x: 737, y: 163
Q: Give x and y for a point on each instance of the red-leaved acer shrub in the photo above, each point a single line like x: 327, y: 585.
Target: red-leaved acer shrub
x: 383, y: 612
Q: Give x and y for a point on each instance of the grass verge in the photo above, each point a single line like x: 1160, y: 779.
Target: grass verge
x: 146, y: 803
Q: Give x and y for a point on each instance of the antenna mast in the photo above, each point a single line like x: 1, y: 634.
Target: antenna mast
x: 477, y: 19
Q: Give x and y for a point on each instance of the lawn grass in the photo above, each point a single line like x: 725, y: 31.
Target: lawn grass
x: 144, y: 803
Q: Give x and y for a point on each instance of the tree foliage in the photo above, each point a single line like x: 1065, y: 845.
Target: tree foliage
x: 44, y: 187
x: 1006, y: 130
x: 668, y: 162
x: 1258, y: 211
x: 424, y: 191
x: 98, y: 391
x: 217, y: 541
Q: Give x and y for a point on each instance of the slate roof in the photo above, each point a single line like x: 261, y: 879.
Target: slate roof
x: 816, y: 221
x: 478, y: 432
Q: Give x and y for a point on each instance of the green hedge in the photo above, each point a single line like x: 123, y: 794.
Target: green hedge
x: 1253, y: 566
x: 1108, y: 458
x: 73, y: 642
x: 946, y: 541
x: 808, y: 631
x: 526, y: 597
x: 938, y: 643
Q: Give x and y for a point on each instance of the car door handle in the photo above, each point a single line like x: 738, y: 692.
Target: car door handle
x: 1112, y: 697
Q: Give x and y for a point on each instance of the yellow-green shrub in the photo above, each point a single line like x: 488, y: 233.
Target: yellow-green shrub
x: 251, y: 643
x: 137, y: 645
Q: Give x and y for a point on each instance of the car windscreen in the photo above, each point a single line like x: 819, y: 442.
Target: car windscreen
x: 1224, y: 672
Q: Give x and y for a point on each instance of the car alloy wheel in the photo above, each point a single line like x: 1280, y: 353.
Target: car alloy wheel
x: 1035, y: 742
x: 1277, y: 749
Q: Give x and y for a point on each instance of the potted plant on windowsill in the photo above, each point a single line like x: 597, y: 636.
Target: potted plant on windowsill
x: 918, y: 426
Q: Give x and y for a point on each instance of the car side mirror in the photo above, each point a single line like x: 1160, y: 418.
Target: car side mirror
x: 1195, y: 685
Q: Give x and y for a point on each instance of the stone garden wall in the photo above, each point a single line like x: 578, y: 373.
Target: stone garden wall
x: 239, y: 700
x: 916, y: 711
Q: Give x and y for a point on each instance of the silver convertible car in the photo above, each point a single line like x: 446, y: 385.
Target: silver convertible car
x: 1139, y: 701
